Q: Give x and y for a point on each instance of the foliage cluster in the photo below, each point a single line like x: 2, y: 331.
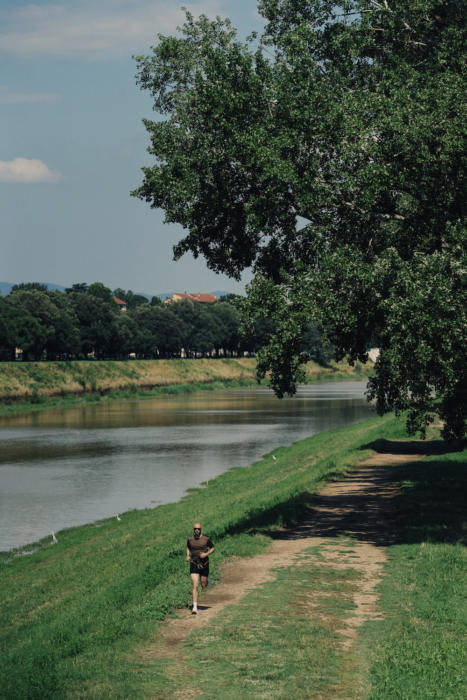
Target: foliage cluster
x: 86, y: 321
x: 328, y: 154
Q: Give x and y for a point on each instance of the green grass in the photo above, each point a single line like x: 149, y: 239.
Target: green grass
x: 273, y: 644
x: 419, y: 651
x: 281, y: 640
x: 72, y: 613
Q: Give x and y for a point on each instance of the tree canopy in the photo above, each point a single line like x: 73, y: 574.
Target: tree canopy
x: 84, y: 323
x: 327, y: 154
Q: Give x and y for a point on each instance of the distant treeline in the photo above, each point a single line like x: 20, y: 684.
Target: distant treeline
x: 86, y: 322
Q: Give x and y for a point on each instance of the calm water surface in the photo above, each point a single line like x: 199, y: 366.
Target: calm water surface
x: 64, y: 467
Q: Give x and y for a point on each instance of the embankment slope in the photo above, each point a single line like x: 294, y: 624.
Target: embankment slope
x: 26, y: 381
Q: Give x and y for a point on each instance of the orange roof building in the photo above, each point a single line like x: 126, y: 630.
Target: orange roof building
x: 122, y: 304
x: 201, y: 298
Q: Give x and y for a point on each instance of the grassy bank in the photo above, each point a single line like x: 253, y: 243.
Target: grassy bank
x: 29, y: 384
x: 33, y: 380
x: 274, y: 643
x: 68, y: 401
x: 73, y: 613
x: 418, y: 651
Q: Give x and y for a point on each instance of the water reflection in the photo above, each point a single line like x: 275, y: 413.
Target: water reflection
x: 64, y: 467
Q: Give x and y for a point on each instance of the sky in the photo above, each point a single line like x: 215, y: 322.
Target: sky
x: 72, y: 145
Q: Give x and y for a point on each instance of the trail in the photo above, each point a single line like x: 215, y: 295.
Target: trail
x: 357, y: 506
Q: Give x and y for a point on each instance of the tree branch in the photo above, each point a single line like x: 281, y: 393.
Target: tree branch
x: 352, y: 205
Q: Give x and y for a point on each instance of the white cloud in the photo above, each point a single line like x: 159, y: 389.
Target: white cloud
x: 94, y: 29
x: 27, y: 170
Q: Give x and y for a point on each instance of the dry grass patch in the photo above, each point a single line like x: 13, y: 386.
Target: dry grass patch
x: 49, y: 379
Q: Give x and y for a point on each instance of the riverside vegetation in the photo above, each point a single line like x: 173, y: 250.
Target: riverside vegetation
x: 74, y: 614
x: 287, y: 637
x: 85, y: 322
x: 324, y: 154
x: 29, y: 385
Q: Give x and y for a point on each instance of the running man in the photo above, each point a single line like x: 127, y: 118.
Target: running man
x: 198, y: 549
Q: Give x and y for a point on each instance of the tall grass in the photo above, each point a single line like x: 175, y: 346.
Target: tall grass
x: 20, y: 380
x: 71, y: 613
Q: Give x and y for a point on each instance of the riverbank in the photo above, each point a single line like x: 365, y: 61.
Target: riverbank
x: 34, y: 385
x: 73, y: 612
x: 359, y: 601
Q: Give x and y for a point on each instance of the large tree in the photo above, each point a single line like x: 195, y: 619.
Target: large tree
x: 64, y: 341
x: 227, y: 318
x: 328, y: 155
x: 97, y: 323
x: 20, y: 329
x: 158, y: 332
x: 100, y: 291
x: 37, y: 339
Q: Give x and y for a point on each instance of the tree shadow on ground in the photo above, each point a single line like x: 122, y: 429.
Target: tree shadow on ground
x: 391, y: 503
x: 415, y: 447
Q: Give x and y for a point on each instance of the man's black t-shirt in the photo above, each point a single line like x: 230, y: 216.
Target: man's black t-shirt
x: 196, y: 545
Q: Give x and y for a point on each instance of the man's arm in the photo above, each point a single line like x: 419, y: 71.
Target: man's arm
x: 188, y: 554
x: 203, y: 555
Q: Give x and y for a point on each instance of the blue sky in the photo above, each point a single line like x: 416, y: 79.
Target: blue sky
x: 72, y: 144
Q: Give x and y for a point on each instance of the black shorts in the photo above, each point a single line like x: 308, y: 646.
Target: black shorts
x: 195, y: 569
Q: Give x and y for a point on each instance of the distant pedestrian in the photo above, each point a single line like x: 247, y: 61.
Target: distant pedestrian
x: 198, y: 549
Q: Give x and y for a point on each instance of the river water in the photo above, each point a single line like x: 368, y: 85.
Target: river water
x: 65, y: 467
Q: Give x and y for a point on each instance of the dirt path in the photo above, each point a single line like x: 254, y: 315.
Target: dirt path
x: 358, y: 506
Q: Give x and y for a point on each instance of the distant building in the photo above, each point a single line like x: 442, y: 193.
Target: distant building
x: 201, y: 298
x: 373, y: 354
x: 122, y: 304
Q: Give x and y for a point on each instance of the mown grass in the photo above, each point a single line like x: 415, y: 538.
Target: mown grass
x: 419, y: 651
x: 72, y: 613
x: 273, y: 644
x: 37, y: 385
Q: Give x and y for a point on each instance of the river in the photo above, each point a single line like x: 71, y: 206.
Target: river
x: 66, y: 467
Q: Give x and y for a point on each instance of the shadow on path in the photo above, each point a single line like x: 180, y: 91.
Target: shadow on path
x: 392, y: 497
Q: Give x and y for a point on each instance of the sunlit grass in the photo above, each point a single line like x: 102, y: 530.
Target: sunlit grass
x: 274, y: 644
x: 33, y: 385
x: 19, y: 380
x: 282, y: 640
x: 72, y: 612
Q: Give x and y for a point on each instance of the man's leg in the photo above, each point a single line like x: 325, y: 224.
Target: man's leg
x: 204, y: 581
x: 195, y: 580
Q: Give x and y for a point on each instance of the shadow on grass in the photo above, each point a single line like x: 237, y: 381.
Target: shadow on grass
x: 415, y: 447
x: 415, y: 501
